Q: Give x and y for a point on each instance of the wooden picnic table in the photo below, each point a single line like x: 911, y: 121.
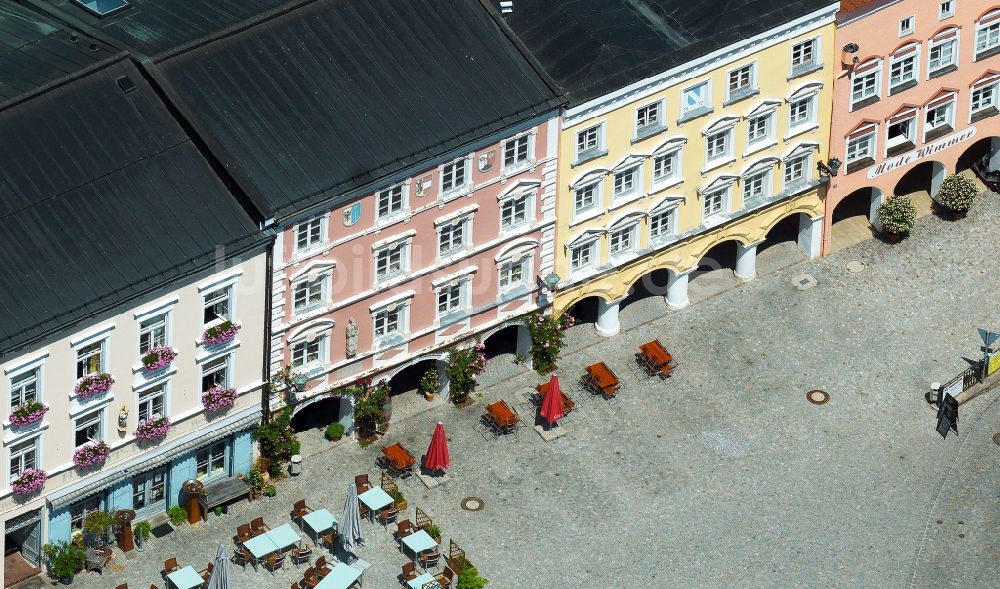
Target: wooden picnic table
x: 567, y: 403
x: 502, y: 414
x: 223, y: 491
x: 398, y: 456
x: 603, y: 378
x: 657, y: 358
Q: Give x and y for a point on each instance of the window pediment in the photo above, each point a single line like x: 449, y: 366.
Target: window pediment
x: 312, y: 270
x: 516, y: 247
x: 805, y: 90
x: 314, y: 328
x: 759, y: 166
x: 517, y: 188
x: 720, y: 181
x: 585, y: 236
x: 589, y: 177
x: 723, y: 123
x: 665, y: 203
x: 801, y: 149
x: 763, y: 108
x: 670, y: 144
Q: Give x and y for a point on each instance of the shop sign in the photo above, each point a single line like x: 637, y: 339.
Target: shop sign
x: 919, y: 154
x: 994, y: 364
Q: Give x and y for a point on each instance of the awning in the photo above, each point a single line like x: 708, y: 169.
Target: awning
x: 163, y: 454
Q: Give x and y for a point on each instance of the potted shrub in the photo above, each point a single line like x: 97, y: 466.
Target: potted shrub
x: 434, y: 532
x: 30, y: 481
x: 218, y: 511
x: 256, y: 481
x: 270, y: 491
x: 464, y: 365
x: 28, y: 414
x: 334, y: 431
x: 220, y: 334
x: 218, y: 399
x: 65, y: 560
x: 897, y: 216
x: 92, y: 454
x: 141, y: 531
x: 96, y: 527
x: 93, y: 384
x: 177, y: 515
x: 152, y: 429
x: 157, y: 358
x: 399, y: 500
x: 957, y: 194
x: 469, y: 579
x: 430, y: 383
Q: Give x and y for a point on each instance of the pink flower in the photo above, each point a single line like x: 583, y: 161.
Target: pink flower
x: 93, y: 384
x: 152, y: 429
x: 27, y: 414
x: 221, y: 333
x: 91, y: 454
x: 218, y: 399
x: 157, y: 358
x: 30, y: 481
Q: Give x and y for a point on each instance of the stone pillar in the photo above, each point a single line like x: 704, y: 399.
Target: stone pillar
x: 937, y: 177
x: 810, y: 234
x: 878, y: 197
x: 523, y: 345
x: 441, y: 365
x: 746, y: 261
x: 607, y: 317
x: 995, y: 154
x: 677, y: 289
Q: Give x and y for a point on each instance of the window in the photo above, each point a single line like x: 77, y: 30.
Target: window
x: 902, y: 70
x: 803, y: 54
x: 389, y: 202
x: 588, y: 142
x: 861, y: 148
x: 741, y: 82
x: 695, y: 99
x: 665, y: 166
x: 715, y: 202
x: 451, y: 237
x: 648, y: 118
x: 216, y: 306
x: 946, y: 9
x: 626, y: 182
x: 987, y: 38
x: 941, y: 56
x: 23, y: 456
x: 864, y: 87
x: 388, y: 321
x: 621, y: 240
x: 308, y: 294
x: 585, y: 197
x: 79, y: 511
x: 215, y: 373
x: 717, y: 145
x: 308, y: 233
x: 453, y: 176
x: 306, y: 352
x: 661, y: 224
x: 514, y: 273
x: 151, y: 402
x: 90, y: 359
x: 583, y: 256
x: 800, y: 112
x: 906, y: 26
x: 88, y: 428
x: 757, y: 186
x: 939, y: 118
x: 389, y: 261
x: 152, y: 333
x: 900, y: 133
x: 795, y: 170
x: 24, y: 387
x: 210, y: 461
x: 514, y: 212
x: 984, y: 98
x: 515, y: 152
x: 449, y: 299
x: 758, y: 129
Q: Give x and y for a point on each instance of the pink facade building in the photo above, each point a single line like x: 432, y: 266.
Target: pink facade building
x: 916, y: 100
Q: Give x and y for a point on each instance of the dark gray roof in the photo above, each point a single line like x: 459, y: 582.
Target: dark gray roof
x: 36, y: 51
x: 593, y: 47
x: 102, y: 197
x: 336, y: 93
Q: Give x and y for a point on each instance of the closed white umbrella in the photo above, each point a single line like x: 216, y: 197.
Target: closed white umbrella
x: 220, y: 572
x: 350, y: 525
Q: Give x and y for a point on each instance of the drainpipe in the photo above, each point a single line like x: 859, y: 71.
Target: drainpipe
x: 265, y: 390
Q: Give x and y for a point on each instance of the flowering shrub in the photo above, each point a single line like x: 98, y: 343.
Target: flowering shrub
x: 93, y: 384
x: 157, y: 358
x: 152, y: 429
x: 897, y: 214
x: 957, y: 193
x: 218, y: 399
x: 91, y: 454
x: 27, y: 414
x: 221, y: 333
x: 547, y: 335
x: 464, y: 365
x: 31, y: 480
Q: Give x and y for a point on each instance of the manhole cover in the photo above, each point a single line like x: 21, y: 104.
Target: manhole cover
x: 804, y: 281
x: 855, y: 266
x: 996, y: 439
x: 817, y: 397
x: 473, y: 504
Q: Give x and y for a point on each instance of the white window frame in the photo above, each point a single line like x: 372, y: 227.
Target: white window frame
x: 456, y: 295
x: 312, y: 287
x: 148, y: 395
x: 991, y: 91
x: 814, y: 53
x: 102, y: 352
x: 673, y: 152
x: 725, y: 200
x: 307, y: 355
x: 450, y: 169
x: 389, y: 194
x: 625, y: 232
x: 706, y: 100
x: 868, y: 141
x: 592, y: 246
x: 949, y: 119
x: 876, y: 76
x: 214, y: 365
x: 587, y: 151
x: 768, y: 136
x: 317, y: 226
x: 80, y: 510
x: 914, y: 58
x: 789, y: 163
x: 18, y: 380
x: 514, y: 143
x: 891, y: 142
x: 799, y: 126
x: 158, y: 322
x: 932, y: 45
x: 511, y: 202
x: 986, y: 33
x: 211, y: 472
x: 946, y: 9
x: 404, y: 259
x: 87, y: 421
x: 634, y: 187
x: 524, y: 261
x: 597, y: 200
x: 742, y: 91
x: 401, y: 309
x: 645, y: 125
x: 766, y: 182
x: 907, y: 25
x: 727, y: 143
x: 667, y: 228
x: 461, y: 225
x: 212, y: 297
x: 17, y: 452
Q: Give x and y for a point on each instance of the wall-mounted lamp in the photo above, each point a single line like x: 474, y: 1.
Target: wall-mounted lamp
x: 123, y: 420
x: 551, y: 281
x: 830, y: 168
x: 299, y: 381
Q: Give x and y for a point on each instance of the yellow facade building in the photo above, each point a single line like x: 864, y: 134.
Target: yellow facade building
x: 668, y: 149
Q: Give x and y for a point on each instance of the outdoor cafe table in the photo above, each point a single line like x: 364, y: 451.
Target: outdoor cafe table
x: 656, y: 355
x: 398, y: 456
x: 272, y: 541
x: 320, y: 521
x: 185, y: 578
x: 419, y: 541
x: 375, y: 498
x: 503, y: 415
x: 340, y: 576
x: 422, y: 581
x: 603, y: 378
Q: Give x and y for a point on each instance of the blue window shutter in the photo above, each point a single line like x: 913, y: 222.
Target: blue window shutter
x: 242, y: 452
x: 59, y: 525
x: 120, y: 496
x: 181, y: 469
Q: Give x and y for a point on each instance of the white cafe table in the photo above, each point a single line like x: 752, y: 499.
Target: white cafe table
x: 320, y: 521
x: 261, y: 546
x: 419, y: 541
x: 375, y: 498
x: 422, y: 581
x: 284, y: 536
x: 341, y: 576
x: 185, y: 578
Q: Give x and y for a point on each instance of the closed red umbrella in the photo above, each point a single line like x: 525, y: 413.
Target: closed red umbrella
x: 551, y: 409
x: 437, y: 457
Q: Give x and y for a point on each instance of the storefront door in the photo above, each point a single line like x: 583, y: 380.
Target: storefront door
x: 24, y: 533
x: 149, y: 493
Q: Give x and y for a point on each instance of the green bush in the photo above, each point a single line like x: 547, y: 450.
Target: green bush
x: 433, y: 530
x: 430, y: 382
x: 957, y: 193
x: 897, y: 214
x: 65, y: 559
x: 270, y: 491
x: 398, y: 496
x: 469, y: 579
x: 277, y: 441
x: 177, y: 515
x: 334, y: 431
x: 143, y: 529
x: 218, y: 511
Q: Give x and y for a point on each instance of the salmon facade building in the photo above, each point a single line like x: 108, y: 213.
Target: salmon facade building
x: 915, y: 100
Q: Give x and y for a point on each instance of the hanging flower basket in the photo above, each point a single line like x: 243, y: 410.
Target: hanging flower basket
x: 31, y: 480
x: 158, y: 358
x: 152, y: 429
x: 27, y: 414
x: 221, y: 333
x: 218, y: 399
x: 93, y: 384
x: 91, y: 454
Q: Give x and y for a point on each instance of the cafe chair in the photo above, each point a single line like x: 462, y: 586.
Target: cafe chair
x: 275, y: 561
x: 206, y: 573
x: 122, y: 586
x: 243, y: 532
x: 364, y: 511
x: 310, y: 579
x: 170, y: 565
x: 242, y: 556
x: 446, y: 578
x: 321, y: 569
x: 388, y: 515
x: 257, y: 525
x: 404, y: 529
x: 429, y: 559
x: 301, y: 555
x: 409, y: 572
x: 300, y: 509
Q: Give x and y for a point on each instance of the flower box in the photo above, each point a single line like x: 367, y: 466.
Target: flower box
x: 152, y: 429
x: 221, y: 333
x: 218, y: 399
x: 27, y: 414
x: 30, y: 481
x: 93, y: 384
x: 91, y: 454
x: 158, y: 358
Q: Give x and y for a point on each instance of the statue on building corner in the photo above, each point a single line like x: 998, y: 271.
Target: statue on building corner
x: 352, y: 338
